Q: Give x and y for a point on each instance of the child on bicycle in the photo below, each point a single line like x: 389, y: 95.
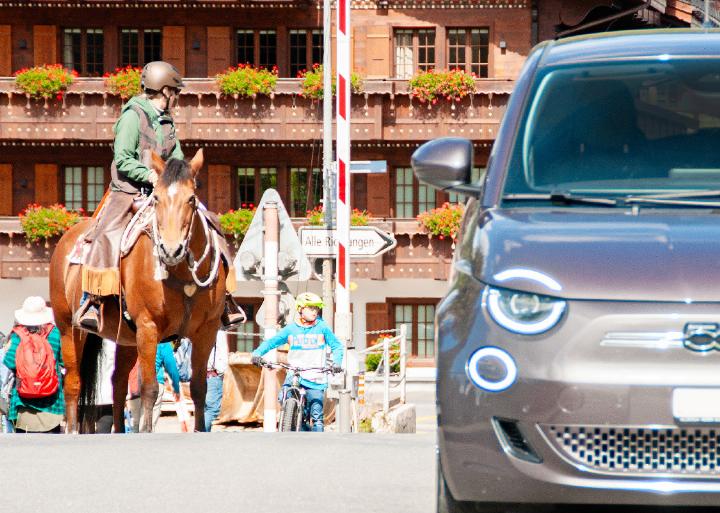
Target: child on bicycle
x: 309, y: 336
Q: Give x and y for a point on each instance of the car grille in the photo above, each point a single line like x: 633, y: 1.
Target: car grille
x: 687, y: 451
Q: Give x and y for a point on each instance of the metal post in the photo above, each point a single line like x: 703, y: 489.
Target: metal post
x: 386, y: 378
x: 271, y: 295
x: 344, y: 411
x: 328, y: 190
x: 707, y: 14
x: 403, y: 363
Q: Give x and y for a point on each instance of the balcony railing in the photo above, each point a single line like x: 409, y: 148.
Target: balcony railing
x: 416, y: 255
x: 384, y: 112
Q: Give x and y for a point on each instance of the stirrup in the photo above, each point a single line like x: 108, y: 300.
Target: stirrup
x: 233, y: 315
x: 88, y: 316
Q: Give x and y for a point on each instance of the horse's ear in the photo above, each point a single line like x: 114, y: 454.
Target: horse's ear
x: 158, y: 163
x: 197, y: 162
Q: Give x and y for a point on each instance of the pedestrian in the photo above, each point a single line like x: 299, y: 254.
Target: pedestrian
x: 164, y: 362
x: 216, y: 368
x: 104, y: 387
x: 309, y: 338
x: 37, y: 403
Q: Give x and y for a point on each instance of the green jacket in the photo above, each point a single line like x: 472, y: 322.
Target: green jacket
x: 128, y: 170
x: 53, y: 404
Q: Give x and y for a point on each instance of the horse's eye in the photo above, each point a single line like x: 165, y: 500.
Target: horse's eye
x: 192, y: 200
x: 155, y: 198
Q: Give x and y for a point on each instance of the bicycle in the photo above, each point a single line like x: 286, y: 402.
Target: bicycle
x: 292, y: 400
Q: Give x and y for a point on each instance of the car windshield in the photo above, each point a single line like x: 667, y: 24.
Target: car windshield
x: 617, y: 129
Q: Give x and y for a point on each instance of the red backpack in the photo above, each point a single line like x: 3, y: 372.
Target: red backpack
x: 35, y: 367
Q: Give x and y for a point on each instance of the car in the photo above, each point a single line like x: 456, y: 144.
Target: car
x: 579, y: 340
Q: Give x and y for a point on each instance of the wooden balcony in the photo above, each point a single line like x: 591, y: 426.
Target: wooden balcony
x: 416, y: 255
x: 384, y: 112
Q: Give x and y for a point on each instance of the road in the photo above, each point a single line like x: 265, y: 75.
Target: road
x: 218, y: 472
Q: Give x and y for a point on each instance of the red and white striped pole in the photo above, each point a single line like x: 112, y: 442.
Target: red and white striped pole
x: 342, y: 289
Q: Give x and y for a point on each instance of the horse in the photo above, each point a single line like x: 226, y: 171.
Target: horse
x: 178, y: 304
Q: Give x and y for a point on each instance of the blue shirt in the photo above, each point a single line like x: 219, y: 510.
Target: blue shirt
x: 166, y: 359
x: 310, y: 340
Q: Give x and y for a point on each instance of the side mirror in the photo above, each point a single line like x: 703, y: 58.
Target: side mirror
x: 446, y: 164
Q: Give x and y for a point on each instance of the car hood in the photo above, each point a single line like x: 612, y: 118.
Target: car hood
x: 601, y: 256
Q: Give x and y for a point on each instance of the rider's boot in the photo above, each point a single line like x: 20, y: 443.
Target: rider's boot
x: 87, y: 316
x: 233, y: 314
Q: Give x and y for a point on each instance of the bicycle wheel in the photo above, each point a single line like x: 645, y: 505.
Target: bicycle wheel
x: 290, y: 414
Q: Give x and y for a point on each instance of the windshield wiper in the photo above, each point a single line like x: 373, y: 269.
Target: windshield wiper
x: 563, y: 198
x: 677, y: 198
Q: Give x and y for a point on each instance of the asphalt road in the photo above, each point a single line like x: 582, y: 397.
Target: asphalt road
x: 218, y: 472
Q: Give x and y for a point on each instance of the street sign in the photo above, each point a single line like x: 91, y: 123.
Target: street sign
x: 368, y: 166
x: 293, y: 265
x: 365, y: 241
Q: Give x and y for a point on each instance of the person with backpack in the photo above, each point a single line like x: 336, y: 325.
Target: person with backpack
x: 37, y: 403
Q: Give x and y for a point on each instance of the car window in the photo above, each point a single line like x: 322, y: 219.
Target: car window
x: 620, y: 128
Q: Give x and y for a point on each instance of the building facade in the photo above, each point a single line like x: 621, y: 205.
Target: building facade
x: 59, y: 150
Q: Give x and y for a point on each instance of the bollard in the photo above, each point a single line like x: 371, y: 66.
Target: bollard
x: 344, y: 411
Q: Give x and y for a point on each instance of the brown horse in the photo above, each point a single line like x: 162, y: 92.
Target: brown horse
x: 160, y: 308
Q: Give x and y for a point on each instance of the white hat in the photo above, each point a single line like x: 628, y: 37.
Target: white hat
x: 34, y: 312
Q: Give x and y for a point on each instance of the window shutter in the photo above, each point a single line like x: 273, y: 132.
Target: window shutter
x: 46, y: 184
x: 219, y: 198
x: 5, y: 51
x: 378, y: 51
x: 45, y: 44
x: 173, y: 47
x: 6, y: 190
x: 218, y: 49
x: 378, y: 194
x: 377, y: 317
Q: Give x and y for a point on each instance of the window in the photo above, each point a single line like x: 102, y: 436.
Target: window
x: 84, y: 187
x: 411, y: 197
x: 468, y: 49
x: 252, y: 183
x: 419, y: 320
x: 305, y: 189
x: 140, y: 46
x: 414, y: 51
x: 306, y: 48
x: 476, y: 175
x: 83, y: 51
x: 243, y: 338
x: 256, y: 47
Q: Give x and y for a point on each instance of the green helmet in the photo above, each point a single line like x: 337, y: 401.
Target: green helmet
x: 308, y: 299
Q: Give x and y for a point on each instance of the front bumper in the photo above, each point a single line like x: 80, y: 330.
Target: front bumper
x: 580, y: 404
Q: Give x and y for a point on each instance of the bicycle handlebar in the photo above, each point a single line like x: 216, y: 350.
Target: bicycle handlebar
x: 270, y: 365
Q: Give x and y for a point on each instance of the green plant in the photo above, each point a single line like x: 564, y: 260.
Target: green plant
x: 312, y: 83
x: 46, y: 81
x: 443, y: 221
x: 316, y: 217
x: 124, y: 82
x: 372, y: 360
x: 40, y: 222
x: 237, y: 222
x: 431, y: 86
x: 247, y: 80
x: 365, y: 425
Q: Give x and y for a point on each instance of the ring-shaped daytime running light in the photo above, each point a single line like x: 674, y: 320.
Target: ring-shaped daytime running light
x: 485, y: 384
x: 500, y: 315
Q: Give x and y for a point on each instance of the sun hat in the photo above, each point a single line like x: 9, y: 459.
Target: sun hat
x: 34, y: 312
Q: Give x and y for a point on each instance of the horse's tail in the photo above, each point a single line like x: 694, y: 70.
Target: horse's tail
x: 89, y: 367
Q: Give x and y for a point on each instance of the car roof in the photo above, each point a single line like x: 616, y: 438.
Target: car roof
x: 633, y: 44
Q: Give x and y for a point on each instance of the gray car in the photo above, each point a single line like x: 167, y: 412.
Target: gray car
x: 579, y: 341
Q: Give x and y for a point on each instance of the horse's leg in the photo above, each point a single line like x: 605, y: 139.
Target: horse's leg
x: 147, y: 339
x: 203, y: 343
x: 73, y: 341
x: 124, y: 361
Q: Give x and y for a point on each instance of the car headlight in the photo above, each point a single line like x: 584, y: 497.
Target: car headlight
x: 523, y: 312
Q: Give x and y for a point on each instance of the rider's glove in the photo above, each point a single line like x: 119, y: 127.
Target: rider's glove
x: 336, y: 369
x: 256, y: 360
x: 153, y: 177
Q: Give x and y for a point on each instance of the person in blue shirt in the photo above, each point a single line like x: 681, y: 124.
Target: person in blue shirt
x: 309, y: 337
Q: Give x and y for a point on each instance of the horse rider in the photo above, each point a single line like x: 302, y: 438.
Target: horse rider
x: 145, y: 125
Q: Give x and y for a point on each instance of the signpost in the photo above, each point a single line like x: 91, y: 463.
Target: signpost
x: 365, y: 242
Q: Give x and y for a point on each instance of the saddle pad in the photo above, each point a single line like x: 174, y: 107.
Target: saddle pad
x: 140, y: 222
x: 80, y: 251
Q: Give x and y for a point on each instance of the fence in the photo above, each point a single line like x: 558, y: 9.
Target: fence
x: 384, y: 348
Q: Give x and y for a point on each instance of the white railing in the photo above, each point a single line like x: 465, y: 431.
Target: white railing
x: 387, y: 362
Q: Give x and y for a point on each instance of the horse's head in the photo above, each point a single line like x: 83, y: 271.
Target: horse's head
x: 175, y: 205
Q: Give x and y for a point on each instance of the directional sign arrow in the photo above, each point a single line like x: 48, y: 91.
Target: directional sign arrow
x: 365, y: 241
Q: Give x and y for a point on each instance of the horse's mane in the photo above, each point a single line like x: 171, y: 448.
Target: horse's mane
x: 175, y: 170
